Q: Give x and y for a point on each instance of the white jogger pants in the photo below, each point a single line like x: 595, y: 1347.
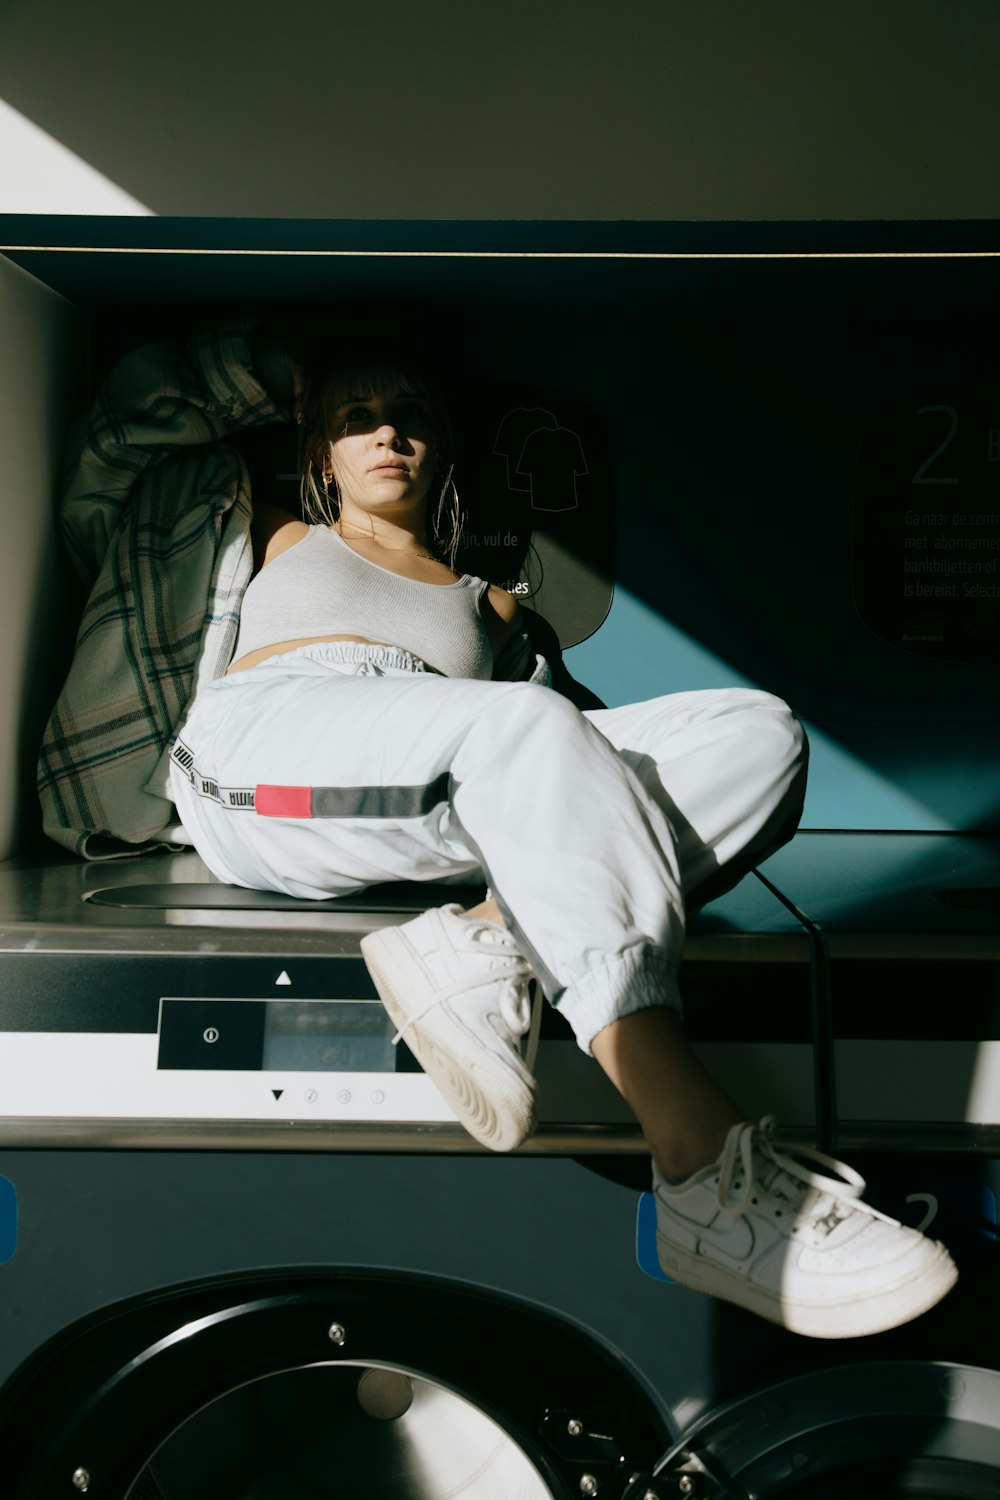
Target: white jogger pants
x: 345, y: 765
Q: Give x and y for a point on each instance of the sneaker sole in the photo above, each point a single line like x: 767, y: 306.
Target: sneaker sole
x: 495, y: 1114
x: 846, y: 1319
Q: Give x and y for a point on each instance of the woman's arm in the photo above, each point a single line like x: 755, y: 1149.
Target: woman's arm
x: 273, y: 531
x: 529, y: 636
x: 545, y: 641
x: 501, y: 615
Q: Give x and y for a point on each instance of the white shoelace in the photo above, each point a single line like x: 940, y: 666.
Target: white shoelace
x: 514, y: 1000
x: 789, y: 1178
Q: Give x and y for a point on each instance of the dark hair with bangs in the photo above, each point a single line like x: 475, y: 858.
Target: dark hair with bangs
x: 358, y: 376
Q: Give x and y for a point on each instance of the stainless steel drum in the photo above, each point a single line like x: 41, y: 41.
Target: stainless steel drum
x: 340, y: 1430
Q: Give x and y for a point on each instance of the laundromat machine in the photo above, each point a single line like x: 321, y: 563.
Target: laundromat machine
x: 246, y: 1252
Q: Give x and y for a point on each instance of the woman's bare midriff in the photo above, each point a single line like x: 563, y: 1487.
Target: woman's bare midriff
x: 264, y: 653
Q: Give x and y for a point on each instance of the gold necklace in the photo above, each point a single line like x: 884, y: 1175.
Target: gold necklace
x: 371, y: 537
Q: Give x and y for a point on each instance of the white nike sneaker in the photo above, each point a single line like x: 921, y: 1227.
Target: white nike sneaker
x: 759, y: 1229
x: 457, y: 988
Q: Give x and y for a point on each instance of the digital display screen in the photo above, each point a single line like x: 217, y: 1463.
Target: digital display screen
x: 279, y: 1036
x: 318, y: 1036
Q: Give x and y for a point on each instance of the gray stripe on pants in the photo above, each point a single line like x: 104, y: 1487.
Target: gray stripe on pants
x: 380, y: 801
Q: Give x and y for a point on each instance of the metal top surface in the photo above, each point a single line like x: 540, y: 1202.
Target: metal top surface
x: 895, y: 894
x: 169, y: 903
x: 887, y: 894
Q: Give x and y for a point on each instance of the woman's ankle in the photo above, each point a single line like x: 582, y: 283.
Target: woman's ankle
x: 488, y: 911
x: 676, y: 1163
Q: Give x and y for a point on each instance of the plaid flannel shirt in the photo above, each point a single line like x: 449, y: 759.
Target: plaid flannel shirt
x: 156, y: 515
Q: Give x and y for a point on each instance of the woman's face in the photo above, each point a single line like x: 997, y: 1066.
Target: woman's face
x: 385, y: 448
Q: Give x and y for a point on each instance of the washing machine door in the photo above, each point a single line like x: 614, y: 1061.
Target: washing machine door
x: 885, y: 1430
x: 312, y: 1384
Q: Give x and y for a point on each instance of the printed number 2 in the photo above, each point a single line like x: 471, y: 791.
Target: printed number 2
x: 920, y: 477
x: 932, y: 1207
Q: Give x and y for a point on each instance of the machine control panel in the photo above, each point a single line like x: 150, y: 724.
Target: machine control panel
x: 300, y: 1036
x: 88, y: 1037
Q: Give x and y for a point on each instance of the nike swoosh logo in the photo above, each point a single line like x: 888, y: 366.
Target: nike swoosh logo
x: 736, y: 1241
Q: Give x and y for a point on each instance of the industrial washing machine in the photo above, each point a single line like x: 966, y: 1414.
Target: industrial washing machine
x: 245, y: 1251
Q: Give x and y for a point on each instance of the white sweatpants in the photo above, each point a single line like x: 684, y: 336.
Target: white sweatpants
x: 343, y: 765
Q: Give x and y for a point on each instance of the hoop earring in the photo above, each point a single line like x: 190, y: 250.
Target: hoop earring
x: 453, y: 521
x: 332, y: 504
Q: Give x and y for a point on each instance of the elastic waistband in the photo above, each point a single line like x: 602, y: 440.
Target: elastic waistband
x: 358, y: 658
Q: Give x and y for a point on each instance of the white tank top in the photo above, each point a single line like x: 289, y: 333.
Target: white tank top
x: 321, y: 586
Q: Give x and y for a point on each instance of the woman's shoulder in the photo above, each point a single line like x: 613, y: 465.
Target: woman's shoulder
x: 274, y: 530
x: 503, y: 604
x: 502, y: 616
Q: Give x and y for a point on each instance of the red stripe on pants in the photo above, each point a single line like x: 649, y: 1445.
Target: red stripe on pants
x: 283, y: 801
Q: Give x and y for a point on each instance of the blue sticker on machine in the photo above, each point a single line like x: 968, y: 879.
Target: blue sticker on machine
x: 645, y: 1239
x: 8, y: 1219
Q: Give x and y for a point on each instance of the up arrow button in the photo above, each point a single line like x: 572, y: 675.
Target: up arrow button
x: 283, y: 978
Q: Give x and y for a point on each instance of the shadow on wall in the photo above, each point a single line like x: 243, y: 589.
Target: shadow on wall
x: 737, y: 438
x: 783, y: 112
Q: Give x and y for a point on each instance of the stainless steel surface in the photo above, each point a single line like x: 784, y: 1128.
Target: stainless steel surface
x: 46, y: 906
x: 45, y: 915
x: 942, y: 1137
x: 909, y: 937
x: 243, y: 1135
x: 312, y: 1431
x: 842, y: 1417
x: 938, y: 1137
x: 870, y: 893
x: 887, y: 895
x: 385, y: 1394
x: 866, y: 895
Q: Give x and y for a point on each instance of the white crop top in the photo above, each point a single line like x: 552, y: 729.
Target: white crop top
x: 321, y: 586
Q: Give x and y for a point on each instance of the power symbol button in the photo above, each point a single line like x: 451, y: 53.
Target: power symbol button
x: 211, y: 1034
